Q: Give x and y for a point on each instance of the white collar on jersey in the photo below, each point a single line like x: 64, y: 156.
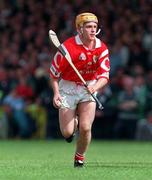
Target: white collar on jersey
x: 79, y: 42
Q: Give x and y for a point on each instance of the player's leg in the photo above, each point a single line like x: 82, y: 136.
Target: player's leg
x: 86, y: 111
x: 68, y: 123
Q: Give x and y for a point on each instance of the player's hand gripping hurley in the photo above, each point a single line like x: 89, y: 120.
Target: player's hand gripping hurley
x: 53, y: 37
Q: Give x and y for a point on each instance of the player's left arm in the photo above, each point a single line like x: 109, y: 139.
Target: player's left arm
x: 102, y: 74
x: 103, y: 70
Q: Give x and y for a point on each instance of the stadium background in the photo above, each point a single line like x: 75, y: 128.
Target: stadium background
x: 26, y: 109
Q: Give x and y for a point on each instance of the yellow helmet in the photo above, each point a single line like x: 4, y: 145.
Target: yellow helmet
x: 85, y: 17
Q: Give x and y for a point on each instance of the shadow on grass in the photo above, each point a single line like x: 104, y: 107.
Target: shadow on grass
x: 119, y: 164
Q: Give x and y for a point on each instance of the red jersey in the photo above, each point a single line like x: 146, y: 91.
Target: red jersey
x: 91, y: 64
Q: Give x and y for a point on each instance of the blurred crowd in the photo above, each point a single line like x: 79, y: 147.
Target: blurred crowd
x: 26, y: 109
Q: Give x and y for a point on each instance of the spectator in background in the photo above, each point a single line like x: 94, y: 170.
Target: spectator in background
x: 149, y: 87
x: 142, y: 94
x: 4, y: 82
x: 52, y: 127
x: 15, y: 111
x: 144, y: 128
x: 137, y: 69
x: 119, y: 57
x: 147, y: 42
x: 24, y: 90
x: 4, y: 132
x: 39, y: 116
x: 127, y: 115
x: 105, y: 119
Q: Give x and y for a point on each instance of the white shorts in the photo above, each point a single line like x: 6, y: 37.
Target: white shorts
x: 73, y: 93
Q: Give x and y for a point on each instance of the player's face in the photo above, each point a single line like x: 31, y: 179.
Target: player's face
x: 89, y: 30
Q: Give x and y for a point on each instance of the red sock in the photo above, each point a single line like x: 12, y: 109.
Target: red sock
x: 79, y: 156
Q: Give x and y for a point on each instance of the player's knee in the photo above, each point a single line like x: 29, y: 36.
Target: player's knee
x: 66, y: 133
x: 85, y: 129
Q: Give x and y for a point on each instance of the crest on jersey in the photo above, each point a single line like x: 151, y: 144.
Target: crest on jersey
x: 95, y: 59
x: 82, y: 57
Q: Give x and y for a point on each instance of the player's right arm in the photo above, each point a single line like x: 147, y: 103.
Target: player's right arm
x: 55, y: 72
x: 57, y: 96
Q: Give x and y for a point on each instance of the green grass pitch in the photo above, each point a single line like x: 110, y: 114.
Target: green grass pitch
x: 53, y: 160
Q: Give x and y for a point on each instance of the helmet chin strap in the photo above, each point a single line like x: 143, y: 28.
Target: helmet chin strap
x: 98, y: 31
